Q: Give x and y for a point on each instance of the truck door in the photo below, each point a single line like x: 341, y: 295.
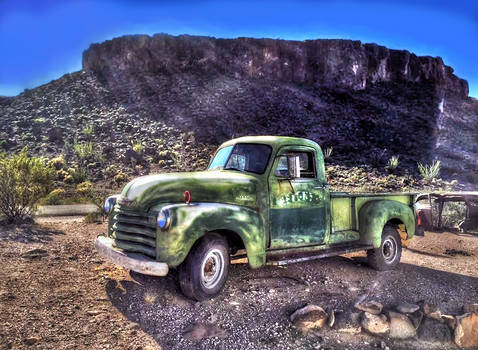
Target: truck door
x: 298, y: 199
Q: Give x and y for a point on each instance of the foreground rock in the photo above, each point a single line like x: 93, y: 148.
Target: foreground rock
x: 407, y: 308
x: 400, y: 326
x: 310, y: 317
x: 372, y: 307
x: 375, y: 324
x: 466, y: 331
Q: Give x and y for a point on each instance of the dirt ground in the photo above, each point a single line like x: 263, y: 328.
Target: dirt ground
x: 56, y: 293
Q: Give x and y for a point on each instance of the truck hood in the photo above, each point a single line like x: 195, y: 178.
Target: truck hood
x: 220, y: 186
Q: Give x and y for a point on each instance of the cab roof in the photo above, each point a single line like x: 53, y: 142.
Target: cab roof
x: 274, y: 141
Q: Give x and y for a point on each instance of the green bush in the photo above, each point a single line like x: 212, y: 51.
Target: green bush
x: 138, y: 147
x: 120, y: 178
x: 84, y: 188
x: 24, y: 180
x: 83, y: 150
x: 76, y: 175
x: 95, y: 196
x: 88, y: 130
x: 58, y: 162
x: 392, y: 164
x: 431, y: 171
x: 55, y: 197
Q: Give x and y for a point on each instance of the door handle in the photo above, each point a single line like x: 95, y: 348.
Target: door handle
x: 322, y: 187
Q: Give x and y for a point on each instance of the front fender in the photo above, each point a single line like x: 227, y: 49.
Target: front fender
x: 374, y: 215
x: 189, y: 222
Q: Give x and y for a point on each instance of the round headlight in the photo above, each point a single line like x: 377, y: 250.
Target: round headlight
x: 109, y: 204
x: 163, y: 219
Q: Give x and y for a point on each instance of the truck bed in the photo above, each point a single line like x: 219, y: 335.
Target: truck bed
x: 345, y: 207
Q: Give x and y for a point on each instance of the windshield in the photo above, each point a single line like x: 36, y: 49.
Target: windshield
x: 248, y: 157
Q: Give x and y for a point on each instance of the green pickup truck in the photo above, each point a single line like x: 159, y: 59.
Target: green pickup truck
x: 263, y: 198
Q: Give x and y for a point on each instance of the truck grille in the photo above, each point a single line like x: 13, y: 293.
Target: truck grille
x: 134, y: 231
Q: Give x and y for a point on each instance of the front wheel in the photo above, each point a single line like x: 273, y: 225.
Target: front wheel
x: 388, y: 255
x: 204, y: 272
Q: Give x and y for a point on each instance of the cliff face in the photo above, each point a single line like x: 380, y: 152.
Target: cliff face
x: 334, y: 63
x: 364, y: 100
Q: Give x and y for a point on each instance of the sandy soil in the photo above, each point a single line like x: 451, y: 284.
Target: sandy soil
x: 56, y: 293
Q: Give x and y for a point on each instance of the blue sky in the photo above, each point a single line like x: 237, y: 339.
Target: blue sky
x: 42, y: 40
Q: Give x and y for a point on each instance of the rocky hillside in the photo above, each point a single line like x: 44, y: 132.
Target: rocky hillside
x: 153, y: 103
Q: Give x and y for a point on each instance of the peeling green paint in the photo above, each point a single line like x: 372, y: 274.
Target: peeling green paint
x: 375, y: 214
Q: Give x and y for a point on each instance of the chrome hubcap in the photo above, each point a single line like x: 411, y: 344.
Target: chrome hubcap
x: 389, y: 249
x: 212, y: 268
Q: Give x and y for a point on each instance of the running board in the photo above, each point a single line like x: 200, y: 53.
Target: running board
x: 324, y: 254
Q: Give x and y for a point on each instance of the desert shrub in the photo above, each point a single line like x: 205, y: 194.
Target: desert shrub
x: 110, y: 170
x: 163, y: 154
x: 392, y: 164
x: 76, y: 175
x: 177, y: 158
x: 24, y: 180
x: 120, y: 178
x: 88, y: 130
x: 97, y: 197
x: 328, y: 153
x: 83, y: 150
x: 84, y: 188
x: 138, y: 147
x: 55, y: 197
x: 431, y: 171
x: 58, y: 162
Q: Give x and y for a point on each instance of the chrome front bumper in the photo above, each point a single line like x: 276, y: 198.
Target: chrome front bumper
x: 132, y: 261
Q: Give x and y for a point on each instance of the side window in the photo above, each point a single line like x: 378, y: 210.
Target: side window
x: 287, y: 163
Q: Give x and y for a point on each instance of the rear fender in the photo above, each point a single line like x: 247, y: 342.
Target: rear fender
x: 374, y: 215
x: 189, y: 222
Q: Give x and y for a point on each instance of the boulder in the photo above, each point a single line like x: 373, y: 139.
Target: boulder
x: 400, y: 326
x: 310, y: 317
x: 407, y: 308
x: 375, y: 324
x: 372, y: 307
x: 466, y: 331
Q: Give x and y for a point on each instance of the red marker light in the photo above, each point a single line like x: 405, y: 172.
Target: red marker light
x: 187, y: 196
x: 419, y: 221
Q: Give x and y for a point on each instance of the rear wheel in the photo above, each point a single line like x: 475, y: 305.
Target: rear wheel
x: 204, y: 272
x: 388, y: 255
